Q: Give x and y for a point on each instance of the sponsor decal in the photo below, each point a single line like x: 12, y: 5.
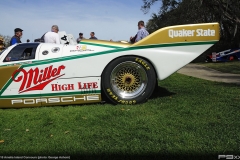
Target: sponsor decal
x: 79, y: 86
x: 67, y: 99
x: 191, y: 33
x: 81, y: 48
x: 36, y: 79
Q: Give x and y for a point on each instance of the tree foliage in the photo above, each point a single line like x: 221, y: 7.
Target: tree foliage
x: 6, y: 40
x: 176, y: 12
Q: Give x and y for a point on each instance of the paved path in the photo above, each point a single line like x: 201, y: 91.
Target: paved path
x: 203, y: 72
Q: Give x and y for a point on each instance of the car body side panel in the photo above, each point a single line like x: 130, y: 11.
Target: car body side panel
x: 60, y: 91
x: 79, y: 68
x: 36, y: 84
x: 165, y: 59
x: 6, y: 73
x: 92, y: 65
x: 45, y: 51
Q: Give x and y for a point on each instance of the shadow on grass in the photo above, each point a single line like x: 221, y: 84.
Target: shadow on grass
x: 219, y: 84
x: 157, y: 93
x: 161, y: 92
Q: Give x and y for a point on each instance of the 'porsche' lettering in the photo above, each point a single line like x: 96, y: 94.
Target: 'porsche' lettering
x: 53, y: 100
x: 66, y: 99
x: 56, y: 99
x: 41, y: 100
x: 36, y: 79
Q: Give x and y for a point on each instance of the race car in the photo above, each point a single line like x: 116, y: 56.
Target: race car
x: 224, y: 56
x: 44, y: 74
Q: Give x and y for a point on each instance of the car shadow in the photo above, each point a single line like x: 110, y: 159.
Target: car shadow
x: 161, y: 92
x: 157, y: 93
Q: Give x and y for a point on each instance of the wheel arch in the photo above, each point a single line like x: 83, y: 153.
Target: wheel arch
x: 144, y: 58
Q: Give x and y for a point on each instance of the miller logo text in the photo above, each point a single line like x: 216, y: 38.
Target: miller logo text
x: 36, y: 79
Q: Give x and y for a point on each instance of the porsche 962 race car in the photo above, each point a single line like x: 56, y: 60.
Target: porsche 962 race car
x: 42, y: 74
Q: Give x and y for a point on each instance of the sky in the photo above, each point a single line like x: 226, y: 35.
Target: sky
x: 109, y: 19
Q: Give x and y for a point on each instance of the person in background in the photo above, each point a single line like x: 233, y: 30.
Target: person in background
x: 142, y: 33
x: 92, y: 34
x: 133, y: 39
x: 80, y: 37
x: 17, y: 36
x: 52, y: 36
x: 28, y: 40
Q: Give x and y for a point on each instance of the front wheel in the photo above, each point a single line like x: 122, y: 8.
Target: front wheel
x: 128, y: 80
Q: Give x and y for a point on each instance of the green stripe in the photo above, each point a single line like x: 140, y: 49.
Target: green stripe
x: 51, y: 94
x: 101, y: 45
x: 114, y: 51
x: 105, y: 52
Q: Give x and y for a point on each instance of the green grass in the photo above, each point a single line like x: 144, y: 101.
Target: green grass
x: 186, y: 116
x: 227, y: 67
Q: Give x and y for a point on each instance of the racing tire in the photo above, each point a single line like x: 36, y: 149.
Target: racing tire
x: 128, y: 80
x: 208, y: 59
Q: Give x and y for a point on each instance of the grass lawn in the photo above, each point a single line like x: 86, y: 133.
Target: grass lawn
x: 228, y: 67
x: 185, y: 117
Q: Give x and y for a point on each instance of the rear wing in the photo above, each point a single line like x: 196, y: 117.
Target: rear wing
x: 203, y: 32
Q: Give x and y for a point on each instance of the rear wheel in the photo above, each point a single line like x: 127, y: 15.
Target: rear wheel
x: 128, y: 80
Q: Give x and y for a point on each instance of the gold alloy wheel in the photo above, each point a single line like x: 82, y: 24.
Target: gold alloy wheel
x: 128, y: 79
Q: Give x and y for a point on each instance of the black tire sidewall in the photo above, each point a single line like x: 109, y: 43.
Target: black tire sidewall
x: 113, y: 97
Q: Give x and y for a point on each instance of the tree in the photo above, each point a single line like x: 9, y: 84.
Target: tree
x: 6, y: 40
x: 177, y: 12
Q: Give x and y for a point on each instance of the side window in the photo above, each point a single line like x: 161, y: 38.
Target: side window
x: 21, y: 53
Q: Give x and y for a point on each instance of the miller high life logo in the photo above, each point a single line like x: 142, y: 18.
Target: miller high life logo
x: 36, y: 79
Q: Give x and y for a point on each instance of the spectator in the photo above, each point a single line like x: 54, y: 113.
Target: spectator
x: 80, y: 37
x: 28, y: 40
x: 142, y: 33
x: 133, y: 39
x: 92, y: 34
x: 16, y: 38
x: 52, y: 36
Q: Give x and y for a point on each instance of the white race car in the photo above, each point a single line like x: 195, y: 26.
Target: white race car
x: 42, y: 74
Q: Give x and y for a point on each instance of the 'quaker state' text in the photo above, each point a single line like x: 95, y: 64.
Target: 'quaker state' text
x: 190, y: 33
